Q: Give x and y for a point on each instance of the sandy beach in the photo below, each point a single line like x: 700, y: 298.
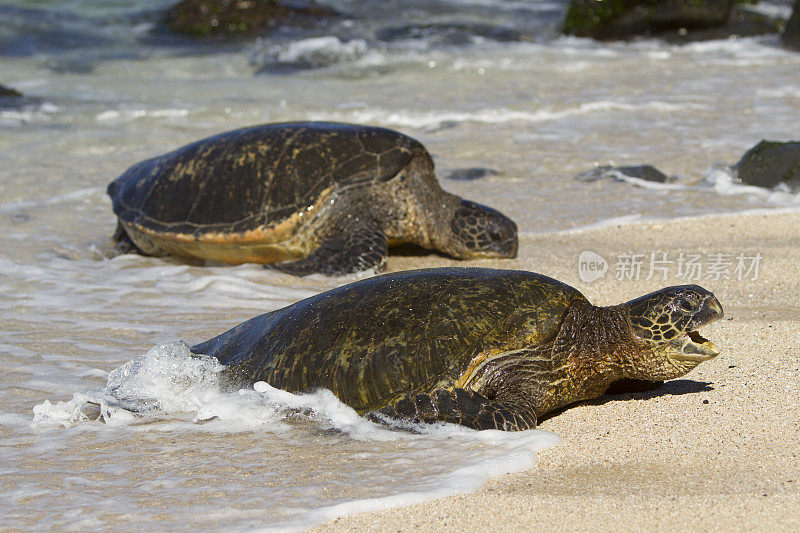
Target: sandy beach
x: 716, y: 450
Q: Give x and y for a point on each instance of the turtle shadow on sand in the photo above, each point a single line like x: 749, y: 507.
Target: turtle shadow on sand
x: 415, y: 250
x: 675, y: 387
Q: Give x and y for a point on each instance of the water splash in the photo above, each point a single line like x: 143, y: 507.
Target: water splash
x: 169, y: 389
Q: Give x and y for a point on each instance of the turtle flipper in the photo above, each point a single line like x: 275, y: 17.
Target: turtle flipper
x: 458, y: 406
x: 124, y: 244
x: 360, y: 248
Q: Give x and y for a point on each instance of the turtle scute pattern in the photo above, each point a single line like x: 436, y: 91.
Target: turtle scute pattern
x: 247, y: 170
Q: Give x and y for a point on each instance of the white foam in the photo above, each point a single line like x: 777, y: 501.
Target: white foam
x: 27, y: 113
x: 127, y: 115
x: 722, y: 179
x: 778, y: 11
x: 165, y: 379
x: 652, y: 185
x: 730, y: 51
x: 736, y: 51
x: 169, y: 379
x: 314, y: 52
x: 436, y: 119
x: 719, y: 178
x: 619, y: 175
x: 321, y: 51
x: 168, y: 387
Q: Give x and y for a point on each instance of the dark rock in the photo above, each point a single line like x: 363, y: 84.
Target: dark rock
x: 645, y: 172
x: 622, y: 19
x: 10, y: 99
x: 200, y: 18
x: 471, y: 174
x: 672, y: 20
x: 8, y: 92
x: 770, y: 163
x: 791, y: 35
x: 642, y: 172
x: 745, y: 21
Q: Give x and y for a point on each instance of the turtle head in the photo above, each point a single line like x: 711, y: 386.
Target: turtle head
x: 667, y: 321
x: 480, y: 231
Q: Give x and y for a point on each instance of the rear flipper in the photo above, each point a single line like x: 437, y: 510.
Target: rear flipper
x: 457, y: 406
x: 124, y: 244
x: 346, y: 253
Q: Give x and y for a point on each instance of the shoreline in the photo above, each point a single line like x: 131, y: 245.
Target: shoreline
x: 717, y: 448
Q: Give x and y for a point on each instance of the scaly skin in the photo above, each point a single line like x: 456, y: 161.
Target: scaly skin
x: 479, y: 347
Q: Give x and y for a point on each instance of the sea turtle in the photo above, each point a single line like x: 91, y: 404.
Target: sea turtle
x: 475, y: 346
x: 310, y: 197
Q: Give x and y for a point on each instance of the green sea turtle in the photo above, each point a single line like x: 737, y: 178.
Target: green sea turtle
x: 309, y: 197
x: 480, y: 347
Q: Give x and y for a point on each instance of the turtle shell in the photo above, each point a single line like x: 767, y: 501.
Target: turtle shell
x: 254, y: 178
x: 389, y: 336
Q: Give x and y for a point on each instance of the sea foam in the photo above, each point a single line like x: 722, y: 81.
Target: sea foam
x: 169, y: 389
x: 437, y: 119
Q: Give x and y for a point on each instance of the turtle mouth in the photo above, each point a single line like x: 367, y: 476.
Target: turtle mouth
x: 506, y: 249
x: 692, y: 347
x: 509, y: 247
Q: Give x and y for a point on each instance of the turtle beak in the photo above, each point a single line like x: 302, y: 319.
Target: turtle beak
x: 710, y: 311
x: 510, y: 247
x: 693, y: 346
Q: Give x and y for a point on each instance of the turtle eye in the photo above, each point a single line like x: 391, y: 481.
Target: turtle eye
x: 684, y: 305
x: 495, y: 232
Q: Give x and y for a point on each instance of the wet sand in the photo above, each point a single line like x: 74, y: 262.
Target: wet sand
x: 716, y: 450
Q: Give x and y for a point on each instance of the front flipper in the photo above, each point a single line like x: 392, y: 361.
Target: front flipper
x: 458, y: 406
x: 363, y: 247
x: 123, y: 243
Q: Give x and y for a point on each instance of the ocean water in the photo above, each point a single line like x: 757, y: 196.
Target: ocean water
x: 482, y: 84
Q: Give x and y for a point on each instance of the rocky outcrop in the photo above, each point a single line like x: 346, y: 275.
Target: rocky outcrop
x: 200, y: 18
x: 642, y: 172
x: 8, y: 93
x: 791, y: 35
x: 769, y: 164
x: 673, y: 20
x: 9, y: 98
x: 621, y: 19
